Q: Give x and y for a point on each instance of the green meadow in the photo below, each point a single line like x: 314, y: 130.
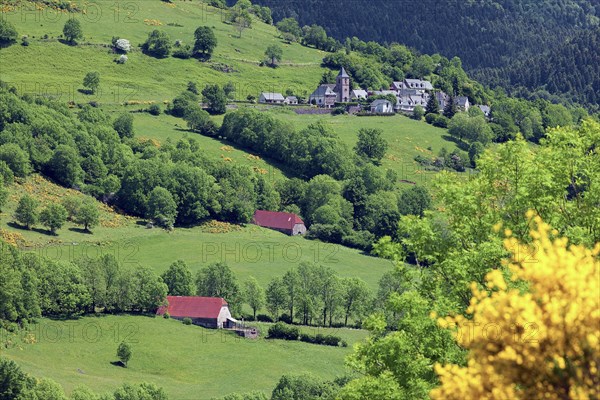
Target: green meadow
x: 48, y: 66
x: 189, y: 362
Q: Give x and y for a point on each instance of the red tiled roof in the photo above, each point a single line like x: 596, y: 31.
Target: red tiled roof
x: 193, y: 307
x: 276, y: 220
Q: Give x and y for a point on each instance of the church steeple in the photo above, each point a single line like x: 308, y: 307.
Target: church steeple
x: 342, y: 86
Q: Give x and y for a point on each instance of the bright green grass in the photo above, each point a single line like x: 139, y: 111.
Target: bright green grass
x: 189, y: 362
x: 406, y: 139
x: 50, y: 67
x: 249, y: 251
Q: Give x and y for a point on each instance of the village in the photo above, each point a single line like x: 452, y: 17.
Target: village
x: 408, y: 93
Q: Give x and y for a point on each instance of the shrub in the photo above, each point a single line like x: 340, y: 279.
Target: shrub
x: 264, y: 318
x: 183, y: 52
x: 8, y: 33
x: 283, y: 331
x: 166, y: 315
x: 154, y: 109
x: 24, y: 41
x: 187, y: 321
x: 307, y: 338
x: 123, y: 59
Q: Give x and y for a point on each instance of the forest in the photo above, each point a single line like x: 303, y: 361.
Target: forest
x: 501, y: 43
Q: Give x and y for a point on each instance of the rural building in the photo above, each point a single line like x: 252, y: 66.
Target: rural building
x: 293, y: 100
x: 326, y: 95
x: 382, y: 106
x: 358, y: 94
x: 281, y: 221
x: 485, y: 109
x: 417, y: 84
x: 209, y: 312
x: 271, y: 98
x: 462, y: 102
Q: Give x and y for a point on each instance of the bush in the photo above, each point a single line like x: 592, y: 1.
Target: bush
x: 283, y: 331
x: 24, y: 41
x: 362, y: 240
x: 154, y: 109
x: 123, y: 59
x: 264, y: 318
x: 183, y: 52
x: 437, y: 120
x: 307, y: 338
x: 187, y: 321
x: 166, y: 315
x: 8, y: 33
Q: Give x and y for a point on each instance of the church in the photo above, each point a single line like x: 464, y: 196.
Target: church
x: 328, y: 94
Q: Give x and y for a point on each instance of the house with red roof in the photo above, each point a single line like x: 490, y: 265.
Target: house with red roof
x: 284, y: 222
x: 209, y: 312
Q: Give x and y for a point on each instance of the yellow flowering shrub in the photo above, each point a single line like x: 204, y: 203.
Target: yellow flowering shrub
x: 538, y: 343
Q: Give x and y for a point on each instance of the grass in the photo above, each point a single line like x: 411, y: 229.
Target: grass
x: 249, y: 250
x: 406, y: 138
x: 48, y: 66
x: 189, y: 362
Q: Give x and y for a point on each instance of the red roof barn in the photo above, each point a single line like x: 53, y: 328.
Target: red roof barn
x: 281, y: 221
x: 210, y: 312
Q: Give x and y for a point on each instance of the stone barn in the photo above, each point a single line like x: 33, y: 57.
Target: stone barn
x: 209, y: 312
x: 281, y: 221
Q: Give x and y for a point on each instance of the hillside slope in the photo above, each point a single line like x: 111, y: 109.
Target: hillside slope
x: 486, y: 35
x: 59, y: 68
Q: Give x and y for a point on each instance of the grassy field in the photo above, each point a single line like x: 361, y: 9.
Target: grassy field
x: 249, y: 250
x: 189, y: 362
x: 48, y: 66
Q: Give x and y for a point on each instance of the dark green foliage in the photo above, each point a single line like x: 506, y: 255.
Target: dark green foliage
x: 475, y: 150
x: 371, y: 145
x: 214, y: 96
x: 92, y: 81
x: 142, y: 391
x: 154, y: 109
x: 414, y: 201
x: 124, y: 125
x: 26, y: 212
x: 16, y: 159
x: 274, y: 53
x: 199, y: 120
x: 205, y: 42
x: 304, y: 387
x: 162, y: 209
x: 158, y: 44
x: 418, y: 113
x: 451, y: 108
x: 14, y: 383
x: 53, y: 217
x: 182, y: 103
x: 432, y: 107
x: 87, y: 215
x: 178, y: 279
x: 217, y: 280
x: 124, y: 352
x: 281, y: 330
x: 65, y: 166
x: 187, y: 321
x: 72, y: 30
x: 8, y: 33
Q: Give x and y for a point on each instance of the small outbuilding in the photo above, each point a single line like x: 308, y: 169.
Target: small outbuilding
x: 271, y: 98
x: 288, y: 223
x: 293, y: 100
x: 209, y: 312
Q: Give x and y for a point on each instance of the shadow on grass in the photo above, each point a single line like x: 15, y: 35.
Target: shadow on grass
x: 459, y: 143
x: 87, y: 92
x: 15, y: 225
x: 118, y: 364
x: 80, y: 230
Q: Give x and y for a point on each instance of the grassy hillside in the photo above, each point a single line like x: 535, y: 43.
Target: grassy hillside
x: 248, y: 250
x: 189, y: 362
x: 48, y: 66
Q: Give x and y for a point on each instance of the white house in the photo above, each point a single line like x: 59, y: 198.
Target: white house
x: 382, y: 106
x: 271, y: 98
x: 359, y: 94
x: 293, y: 100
